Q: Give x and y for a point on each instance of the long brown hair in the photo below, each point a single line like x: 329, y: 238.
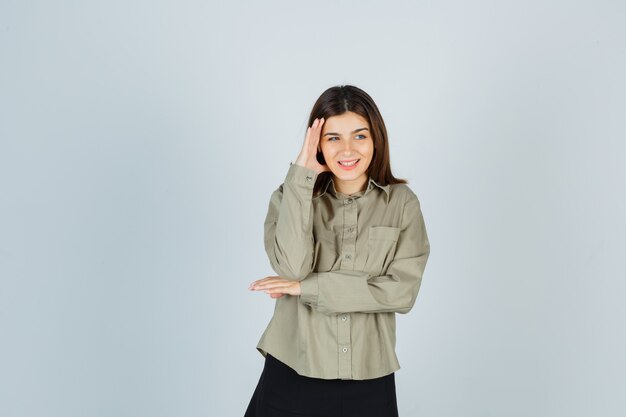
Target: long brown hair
x: 344, y: 98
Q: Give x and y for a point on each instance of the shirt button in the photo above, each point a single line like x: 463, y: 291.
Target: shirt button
x: 349, y: 201
x: 344, y: 350
x: 344, y: 317
x: 348, y: 256
x: 309, y: 178
x: 351, y: 229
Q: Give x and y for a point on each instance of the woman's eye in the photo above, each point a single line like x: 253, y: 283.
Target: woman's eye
x: 363, y: 136
x: 332, y: 137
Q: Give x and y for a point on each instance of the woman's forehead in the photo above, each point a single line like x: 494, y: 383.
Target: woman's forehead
x: 345, y: 123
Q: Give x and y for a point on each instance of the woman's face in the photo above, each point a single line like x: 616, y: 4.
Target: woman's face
x: 346, y: 139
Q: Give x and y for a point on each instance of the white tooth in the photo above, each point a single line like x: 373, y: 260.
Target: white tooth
x: 348, y: 163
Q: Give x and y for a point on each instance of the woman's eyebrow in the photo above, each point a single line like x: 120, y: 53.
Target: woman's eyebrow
x: 339, y: 134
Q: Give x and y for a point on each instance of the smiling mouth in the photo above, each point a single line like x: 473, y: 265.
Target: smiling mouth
x: 349, y: 163
x: 347, y: 166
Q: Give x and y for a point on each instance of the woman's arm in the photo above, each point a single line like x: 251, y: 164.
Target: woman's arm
x: 357, y: 291
x: 289, y: 224
x: 289, y: 221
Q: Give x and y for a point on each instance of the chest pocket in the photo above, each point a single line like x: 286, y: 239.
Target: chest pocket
x: 381, y: 248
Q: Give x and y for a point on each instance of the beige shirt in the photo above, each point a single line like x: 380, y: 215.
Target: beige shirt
x: 359, y: 259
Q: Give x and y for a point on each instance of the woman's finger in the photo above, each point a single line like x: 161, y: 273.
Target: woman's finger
x: 278, y: 286
x: 272, y: 285
x: 279, y: 291
x: 291, y: 290
x: 308, y: 154
x: 315, y: 136
x: 312, y: 136
x: 253, y: 283
x: 315, y: 146
x: 262, y: 287
x: 310, y: 133
x: 267, y: 280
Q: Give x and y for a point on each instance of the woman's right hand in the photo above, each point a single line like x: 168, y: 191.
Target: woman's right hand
x: 308, y: 155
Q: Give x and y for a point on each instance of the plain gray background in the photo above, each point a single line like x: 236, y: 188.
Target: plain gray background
x: 140, y: 143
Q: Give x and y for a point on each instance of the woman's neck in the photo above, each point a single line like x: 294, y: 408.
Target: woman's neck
x: 350, y: 187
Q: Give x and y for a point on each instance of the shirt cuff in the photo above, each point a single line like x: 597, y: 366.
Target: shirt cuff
x: 309, y: 289
x: 301, y: 176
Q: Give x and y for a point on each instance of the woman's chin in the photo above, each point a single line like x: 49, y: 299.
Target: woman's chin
x: 347, y: 176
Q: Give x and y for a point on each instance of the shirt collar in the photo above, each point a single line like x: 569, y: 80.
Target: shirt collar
x: 330, y: 188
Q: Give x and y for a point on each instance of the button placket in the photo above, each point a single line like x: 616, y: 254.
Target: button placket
x: 348, y: 255
x: 348, y: 243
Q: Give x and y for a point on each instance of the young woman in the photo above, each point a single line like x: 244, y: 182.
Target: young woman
x: 348, y: 242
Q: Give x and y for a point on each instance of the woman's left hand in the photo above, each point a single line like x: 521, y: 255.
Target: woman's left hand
x: 276, y: 286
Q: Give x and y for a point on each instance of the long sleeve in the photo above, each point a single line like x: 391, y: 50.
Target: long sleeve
x: 346, y: 291
x: 288, y: 225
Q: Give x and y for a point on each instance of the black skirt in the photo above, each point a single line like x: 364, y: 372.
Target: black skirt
x: 282, y: 392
